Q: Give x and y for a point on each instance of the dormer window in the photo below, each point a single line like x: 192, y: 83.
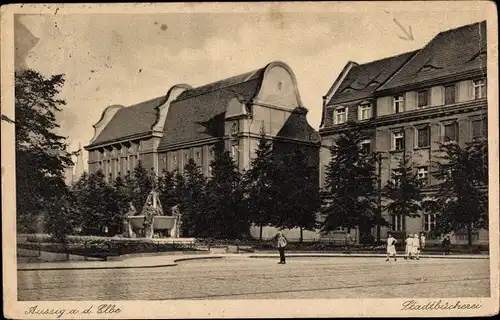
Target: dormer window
x: 399, y: 103
x: 340, y: 115
x: 365, y: 111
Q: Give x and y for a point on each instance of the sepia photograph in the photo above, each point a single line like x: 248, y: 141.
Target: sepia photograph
x: 231, y: 160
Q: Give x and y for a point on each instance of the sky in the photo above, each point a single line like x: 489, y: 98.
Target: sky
x: 128, y: 58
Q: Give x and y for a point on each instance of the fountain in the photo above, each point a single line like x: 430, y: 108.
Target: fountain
x: 151, y: 219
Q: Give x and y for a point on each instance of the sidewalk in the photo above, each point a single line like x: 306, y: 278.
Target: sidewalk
x: 171, y: 260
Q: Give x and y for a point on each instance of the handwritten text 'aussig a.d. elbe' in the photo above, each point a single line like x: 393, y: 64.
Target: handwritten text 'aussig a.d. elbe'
x: 413, y: 305
x: 60, y: 312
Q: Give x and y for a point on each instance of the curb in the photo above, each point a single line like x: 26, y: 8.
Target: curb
x: 364, y: 256
x: 172, y: 264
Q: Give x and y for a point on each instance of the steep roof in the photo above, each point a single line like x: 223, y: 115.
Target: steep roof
x: 451, y: 52
x: 362, y: 80
x: 131, y: 120
x: 199, y: 113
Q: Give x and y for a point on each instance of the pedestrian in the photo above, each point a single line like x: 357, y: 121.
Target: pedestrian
x: 391, y: 247
x: 348, y: 242
x: 408, y: 246
x: 416, y: 246
x: 281, y: 247
x: 446, y: 244
x: 422, y: 241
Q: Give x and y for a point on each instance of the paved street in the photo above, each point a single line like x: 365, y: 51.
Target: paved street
x: 249, y: 278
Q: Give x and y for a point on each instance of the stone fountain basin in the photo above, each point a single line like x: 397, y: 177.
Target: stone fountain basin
x: 159, y: 222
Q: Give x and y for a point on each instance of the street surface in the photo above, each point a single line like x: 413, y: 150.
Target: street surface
x: 261, y: 278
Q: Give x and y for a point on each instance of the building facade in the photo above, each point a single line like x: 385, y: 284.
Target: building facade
x: 165, y: 132
x: 408, y: 104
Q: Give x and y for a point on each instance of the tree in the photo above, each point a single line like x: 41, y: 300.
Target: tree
x: 193, y: 207
x: 461, y: 202
x: 97, y: 203
x: 142, y: 183
x: 167, y: 192
x: 260, y: 185
x: 41, y: 155
x: 349, y: 199
x: 225, y: 214
x: 403, y: 191
x: 298, y: 198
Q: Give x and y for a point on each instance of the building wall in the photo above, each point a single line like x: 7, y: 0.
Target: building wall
x: 421, y: 157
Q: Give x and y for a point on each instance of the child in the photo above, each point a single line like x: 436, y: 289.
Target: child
x: 416, y: 247
x: 409, y: 246
x: 391, y: 247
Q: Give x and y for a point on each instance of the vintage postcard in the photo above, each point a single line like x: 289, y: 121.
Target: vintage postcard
x: 250, y: 160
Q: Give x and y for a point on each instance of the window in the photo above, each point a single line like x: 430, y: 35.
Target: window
x: 365, y: 145
x: 449, y: 94
x: 209, y: 170
x: 398, y: 222
x: 186, y: 155
x: 234, y: 128
x: 429, y: 222
x: 339, y: 115
x: 397, y: 140
x: 423, y: 174
x: 212, y: 152
x: 198, y: 155
x: 365, y: 111
x: 451, y: 132
x: 423, y: 98
x: 396, y: 176
x: 174, y: 159
x: 478, y: 128
x: 234, y: 152
x: 423, y: 137
x: 399, y: 104
x: 479, y: 88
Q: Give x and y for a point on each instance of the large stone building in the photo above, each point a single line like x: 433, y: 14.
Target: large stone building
x: 163, y: 133
x: 412, y: 102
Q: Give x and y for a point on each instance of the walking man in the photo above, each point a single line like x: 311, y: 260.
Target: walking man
x: 281, y: 247
x: 446, y: 245
x: 391, y: 247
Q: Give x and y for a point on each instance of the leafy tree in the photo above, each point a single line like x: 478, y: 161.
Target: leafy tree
x: 260, y: 185
x: 350, y: 185
x: 193, y: 206
x: 461, y: 202
x: 298, y: 199
x: 403, y: 192
x: 41, y: 155
x: 225, y: 214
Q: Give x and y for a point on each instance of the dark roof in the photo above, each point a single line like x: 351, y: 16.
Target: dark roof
x: 362, y: 80
x: 451, y: 52
x: 131, y: 120
x: 199, y: 113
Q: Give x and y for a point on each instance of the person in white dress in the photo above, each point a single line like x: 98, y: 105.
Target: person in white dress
x: 409, y: 246
x: 422, y: 241
x: 416, y: 247
x: 391, y: 247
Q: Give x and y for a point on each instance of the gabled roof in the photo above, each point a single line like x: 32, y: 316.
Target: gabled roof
x: 451, y: 52
x: 362, y: 80
x: 199, y: 113
x: 130, y: 121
